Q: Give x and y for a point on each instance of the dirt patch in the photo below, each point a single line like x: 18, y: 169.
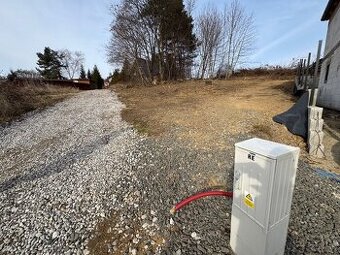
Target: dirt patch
x: 207, y: 116
x: 109, y: 240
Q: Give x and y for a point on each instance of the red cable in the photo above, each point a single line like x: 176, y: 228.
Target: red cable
x: 198, y: 196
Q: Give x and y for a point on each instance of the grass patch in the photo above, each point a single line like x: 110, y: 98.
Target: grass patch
x: 138, y: 123
x: 262, y: 131
x: 141, y: 127
x: 17, y: 98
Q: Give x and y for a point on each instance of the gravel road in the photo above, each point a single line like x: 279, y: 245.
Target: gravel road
x: 57, y: 173
x: 168, y: 170
x: 76, y: 179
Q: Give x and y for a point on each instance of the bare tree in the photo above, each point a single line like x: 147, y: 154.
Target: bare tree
x: 190, y: 6
x: 72, y: 62
x: 133, y: 37
x: 209, y: 33
x: 25, y: 74
x: 239, y: 37
x: 154, y: 36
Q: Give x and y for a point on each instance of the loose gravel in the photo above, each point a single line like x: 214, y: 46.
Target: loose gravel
x: 57, y: 173
x: 168, y: 170
x: 75, y: 179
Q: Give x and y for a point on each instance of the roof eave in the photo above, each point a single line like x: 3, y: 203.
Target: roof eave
x: 330, y: 8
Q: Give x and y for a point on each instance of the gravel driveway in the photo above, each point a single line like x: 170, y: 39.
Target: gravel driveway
x: 57, y: 173
x: 76, y: 179
x: 168, y: 170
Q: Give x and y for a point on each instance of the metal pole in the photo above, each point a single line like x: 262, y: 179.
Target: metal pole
x: 313, y: 96
x: 299, y: 72
x: 303, y: 72
x: 307, y: 71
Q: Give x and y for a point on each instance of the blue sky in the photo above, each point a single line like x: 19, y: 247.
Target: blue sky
x: 286, y: 29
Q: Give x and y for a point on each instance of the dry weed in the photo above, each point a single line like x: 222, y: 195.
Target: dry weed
x: 21, y: 97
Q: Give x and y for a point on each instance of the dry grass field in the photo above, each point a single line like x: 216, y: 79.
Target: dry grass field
x: 21, y: 97
x: 208, y: 116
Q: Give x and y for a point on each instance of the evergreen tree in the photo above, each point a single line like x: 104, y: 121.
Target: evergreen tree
x: 88, y: 74
x: 177, y: 39
x: 156, y: 36
x: 49, y: 64
x: 116, y: 76
x: 82, y: 72
x: 96, y: 78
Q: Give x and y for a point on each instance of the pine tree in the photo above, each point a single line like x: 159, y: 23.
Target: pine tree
x: 82, y: 72
x: 50, y: 64
x: 116, y: 76
x: 88, y: 75
x: 165, y: 29
x: 96, y: 78
x: 176, y: 35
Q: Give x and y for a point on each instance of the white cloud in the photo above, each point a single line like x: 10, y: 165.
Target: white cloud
x: 282, y: 39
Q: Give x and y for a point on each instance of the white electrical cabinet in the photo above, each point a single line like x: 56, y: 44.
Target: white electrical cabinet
x: 264, y: 177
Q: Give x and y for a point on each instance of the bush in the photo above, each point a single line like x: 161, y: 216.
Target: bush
x: 273, y: 72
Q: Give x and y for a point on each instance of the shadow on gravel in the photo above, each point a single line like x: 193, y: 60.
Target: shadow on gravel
x: 336, y: 152
x: 59, y: 164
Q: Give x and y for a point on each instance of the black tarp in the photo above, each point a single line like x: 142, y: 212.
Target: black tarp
x: 296, y: 118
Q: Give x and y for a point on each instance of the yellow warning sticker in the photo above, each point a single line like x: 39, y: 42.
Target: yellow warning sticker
x: 249, y: 200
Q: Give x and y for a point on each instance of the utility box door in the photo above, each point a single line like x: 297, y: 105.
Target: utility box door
x: 264, y: 175
x: 253, y: 175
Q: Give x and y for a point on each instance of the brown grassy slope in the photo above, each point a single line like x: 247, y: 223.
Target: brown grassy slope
x: 21, y: 97
x: 204, y: 113
x: 209, y: 116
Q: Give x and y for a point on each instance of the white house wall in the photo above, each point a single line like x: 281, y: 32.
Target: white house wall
x: 329, y: 92
x: 333, y: 32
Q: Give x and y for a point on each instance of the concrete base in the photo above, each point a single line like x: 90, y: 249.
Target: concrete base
x: 315, y: 112
x: 315, y: 134
x: 316, y: 150
x: 315, y: 125
x: 315, y: 137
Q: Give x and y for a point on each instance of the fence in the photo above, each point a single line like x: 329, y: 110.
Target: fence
x: 308, y: 74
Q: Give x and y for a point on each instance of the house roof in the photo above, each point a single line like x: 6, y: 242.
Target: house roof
x: 330, y: 8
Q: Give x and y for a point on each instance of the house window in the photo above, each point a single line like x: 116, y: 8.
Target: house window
x: 327, y: 72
